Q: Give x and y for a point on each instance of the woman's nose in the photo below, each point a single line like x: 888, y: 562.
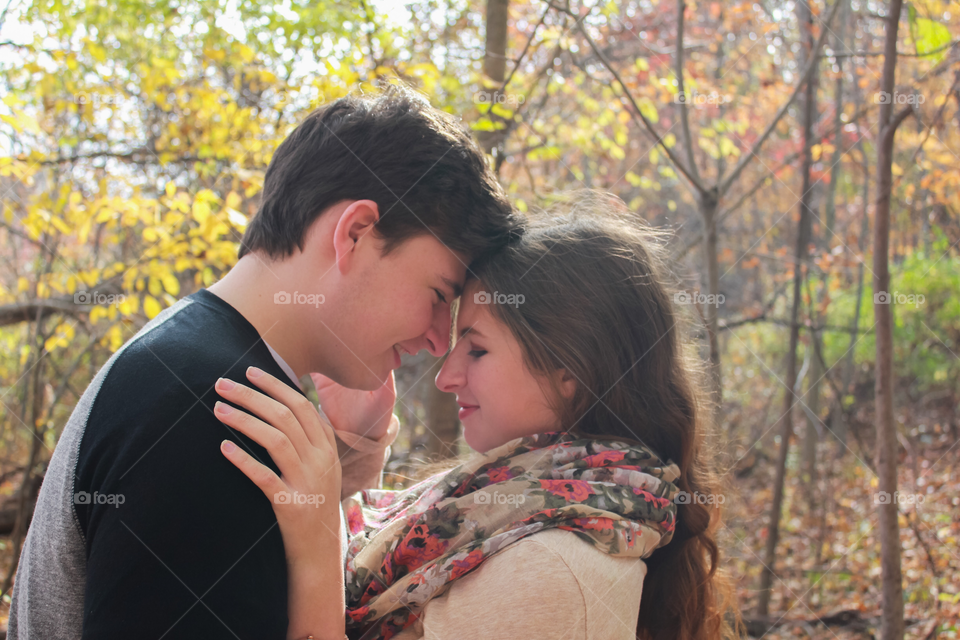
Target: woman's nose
x: 451, y: 375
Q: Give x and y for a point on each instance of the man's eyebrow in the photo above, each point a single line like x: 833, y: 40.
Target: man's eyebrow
x: 457, y: 288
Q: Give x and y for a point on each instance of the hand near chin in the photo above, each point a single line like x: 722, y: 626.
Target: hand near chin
x: 364, y: 413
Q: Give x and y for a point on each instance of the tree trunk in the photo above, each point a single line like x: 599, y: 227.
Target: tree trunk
x: 494, y: 68
x: 892, y: 626
x: 708, y: 212
x: 805, y: 20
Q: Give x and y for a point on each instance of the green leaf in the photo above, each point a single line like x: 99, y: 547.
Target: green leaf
x: 928, y: 36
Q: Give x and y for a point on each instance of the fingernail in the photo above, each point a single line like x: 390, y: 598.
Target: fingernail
x: 223, y: 407
x: 228, y: 447
x: 226, y: 384
x: 254, y: 372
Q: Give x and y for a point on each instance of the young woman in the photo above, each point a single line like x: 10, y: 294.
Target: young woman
x: 590, y: 483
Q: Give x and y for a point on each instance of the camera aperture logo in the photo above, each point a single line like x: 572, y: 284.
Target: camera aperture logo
x: 314, y: 299
x: 485, y: 297
x: 312, y: 499
x: 112, y: 499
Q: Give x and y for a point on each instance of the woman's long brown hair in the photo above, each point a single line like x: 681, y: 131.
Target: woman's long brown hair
x: 595, y: 302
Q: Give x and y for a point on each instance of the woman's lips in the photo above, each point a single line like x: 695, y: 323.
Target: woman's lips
x: 466, y: 410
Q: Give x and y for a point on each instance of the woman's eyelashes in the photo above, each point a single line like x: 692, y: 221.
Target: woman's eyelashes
x: 441, y: 299
x: 476, y: 353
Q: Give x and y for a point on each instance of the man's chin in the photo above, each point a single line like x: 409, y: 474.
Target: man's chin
x: 370, y: 381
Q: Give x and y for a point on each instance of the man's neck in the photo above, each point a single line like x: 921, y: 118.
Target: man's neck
x: 249, y: 287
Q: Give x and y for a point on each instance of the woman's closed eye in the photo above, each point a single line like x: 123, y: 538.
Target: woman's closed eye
x: 441, y: 299
x: 476, y: 353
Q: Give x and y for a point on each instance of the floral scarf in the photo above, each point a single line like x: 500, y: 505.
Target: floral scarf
x: 406, y: 547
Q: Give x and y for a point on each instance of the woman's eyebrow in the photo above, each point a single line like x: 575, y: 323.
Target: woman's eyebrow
x: 471, y: 329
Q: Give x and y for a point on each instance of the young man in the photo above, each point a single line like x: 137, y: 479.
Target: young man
x: 371, y: 211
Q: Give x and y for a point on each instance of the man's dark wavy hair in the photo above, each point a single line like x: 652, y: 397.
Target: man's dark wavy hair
x: 419, y: 164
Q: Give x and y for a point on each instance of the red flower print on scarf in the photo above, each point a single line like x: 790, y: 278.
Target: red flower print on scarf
x: 499, y: 474
x: 573, y: 490
x: 660, y: 503
x: 461, y: 567
x: 354, y: 519
x: 419, y: 547
x: 605, y: 459
x: 595, y: 524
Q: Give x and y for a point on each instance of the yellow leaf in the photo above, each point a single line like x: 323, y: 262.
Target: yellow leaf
x: 128, y: 306
x: 151, y: 307
x: 171, y: 284
x: 201, y: 211
x: 96, y: 51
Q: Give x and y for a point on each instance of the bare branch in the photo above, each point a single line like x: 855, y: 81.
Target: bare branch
x: 525, y: 49
x: 636, y: 108
x: 684, y: 111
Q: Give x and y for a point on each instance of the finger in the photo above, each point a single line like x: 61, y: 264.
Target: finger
x: 276, y: 442
x: 260, y: 474
x: 274, y: 413
x: 298, y: 403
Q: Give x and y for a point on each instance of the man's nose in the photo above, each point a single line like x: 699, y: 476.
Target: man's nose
x: 438, y: 335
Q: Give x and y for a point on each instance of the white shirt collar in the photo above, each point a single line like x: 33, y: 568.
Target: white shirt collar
x: 283, y: 365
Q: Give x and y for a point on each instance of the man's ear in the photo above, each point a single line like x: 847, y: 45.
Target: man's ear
x: 355, y: 223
